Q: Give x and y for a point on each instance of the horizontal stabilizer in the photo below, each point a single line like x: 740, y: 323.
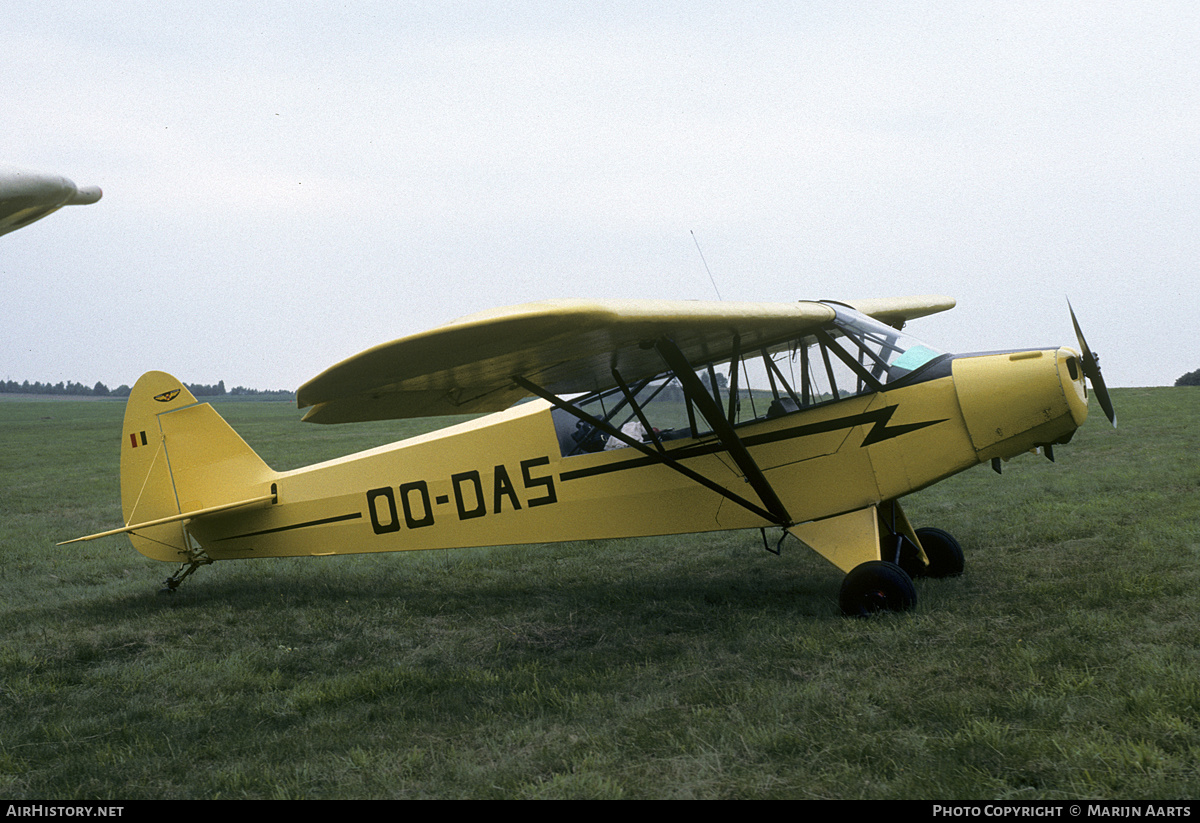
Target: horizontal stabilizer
x: 266, y: 498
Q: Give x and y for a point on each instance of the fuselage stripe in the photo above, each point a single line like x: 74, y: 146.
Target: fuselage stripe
x: 877, y: 419
x: 321, y: 522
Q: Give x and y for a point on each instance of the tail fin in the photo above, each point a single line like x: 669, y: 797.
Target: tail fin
x: 179, y: 456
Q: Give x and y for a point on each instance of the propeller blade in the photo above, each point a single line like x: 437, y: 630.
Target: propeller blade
x: 1091, y: 369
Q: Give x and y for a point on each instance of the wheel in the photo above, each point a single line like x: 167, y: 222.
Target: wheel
x: 944, y: 553
x: 876, y: 586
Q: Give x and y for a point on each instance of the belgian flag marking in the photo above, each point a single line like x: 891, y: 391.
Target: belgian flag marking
x: 135, y: 437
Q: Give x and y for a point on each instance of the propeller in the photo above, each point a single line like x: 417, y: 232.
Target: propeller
x: 1091, y: 369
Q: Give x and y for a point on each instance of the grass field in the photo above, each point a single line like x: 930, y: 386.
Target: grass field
x: 1064, y: 664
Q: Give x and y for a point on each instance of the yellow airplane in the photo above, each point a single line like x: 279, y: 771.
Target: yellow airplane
x: 643, y: 418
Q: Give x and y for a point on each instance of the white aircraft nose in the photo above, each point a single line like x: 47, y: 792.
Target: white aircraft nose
x: 27, y: 196
x: 85, y: 196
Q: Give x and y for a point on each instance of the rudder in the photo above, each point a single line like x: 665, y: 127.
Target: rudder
x: 178, y: 455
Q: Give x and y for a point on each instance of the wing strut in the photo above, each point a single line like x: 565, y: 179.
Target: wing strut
x: 659, y: 457
x: 723, y: 428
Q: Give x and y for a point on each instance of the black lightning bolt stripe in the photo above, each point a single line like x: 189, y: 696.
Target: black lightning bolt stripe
x: 322, y: 522
x: 877, y: 419
x: 881, y: 431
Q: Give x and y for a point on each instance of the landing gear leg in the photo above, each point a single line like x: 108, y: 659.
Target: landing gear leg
x: 881, y: 554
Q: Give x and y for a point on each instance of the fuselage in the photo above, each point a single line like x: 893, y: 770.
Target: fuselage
x: 507, y: 478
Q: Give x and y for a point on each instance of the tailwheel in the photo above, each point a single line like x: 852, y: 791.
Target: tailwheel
x: 943, y: 551
x: 876, y: 586
x: 172, y: 582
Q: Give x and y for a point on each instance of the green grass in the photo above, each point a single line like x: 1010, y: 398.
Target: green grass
x: 1064, y: 664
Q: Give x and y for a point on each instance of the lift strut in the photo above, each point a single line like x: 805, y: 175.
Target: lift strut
x: 723, y: 429
x: 772, y: 509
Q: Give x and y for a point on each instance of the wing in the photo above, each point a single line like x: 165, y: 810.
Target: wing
x: 897, y: 311
x: 27, y: 196
x: 566, y: 346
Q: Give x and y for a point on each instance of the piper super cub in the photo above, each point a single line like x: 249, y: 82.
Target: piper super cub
x: 646, y: 418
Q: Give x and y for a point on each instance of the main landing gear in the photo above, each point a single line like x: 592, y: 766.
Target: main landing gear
x: 944, y: 554
x: 887, y: 586
x: 876, y: 586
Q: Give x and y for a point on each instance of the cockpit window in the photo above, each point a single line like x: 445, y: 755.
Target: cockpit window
x: 885, y: 351
x: 853, y: 355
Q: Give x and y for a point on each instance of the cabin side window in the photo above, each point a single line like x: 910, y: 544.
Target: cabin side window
x: 658, y: 402
x: 854, y: 355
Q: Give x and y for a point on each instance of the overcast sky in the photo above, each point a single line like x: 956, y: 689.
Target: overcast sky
x: 288, y: 183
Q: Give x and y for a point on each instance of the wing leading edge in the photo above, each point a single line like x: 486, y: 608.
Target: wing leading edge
x: 567, y: 346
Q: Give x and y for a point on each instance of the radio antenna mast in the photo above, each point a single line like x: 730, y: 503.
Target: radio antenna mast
x: 706, y: 268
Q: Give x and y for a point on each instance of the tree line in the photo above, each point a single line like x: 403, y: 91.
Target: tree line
x: 70, y: 388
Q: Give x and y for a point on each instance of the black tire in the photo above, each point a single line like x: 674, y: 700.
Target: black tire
x: 944, y: 553
x: 876, y: 586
